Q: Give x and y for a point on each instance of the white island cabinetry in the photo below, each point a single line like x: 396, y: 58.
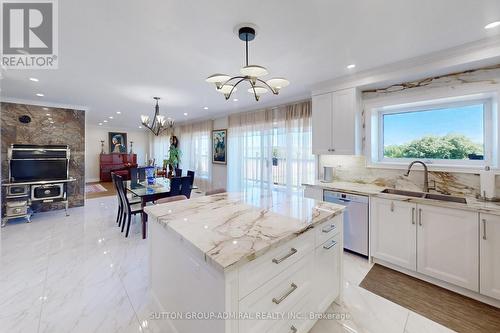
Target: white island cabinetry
x: 231, y: 254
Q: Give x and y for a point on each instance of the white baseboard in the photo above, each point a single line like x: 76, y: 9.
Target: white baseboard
x: 91, y: 180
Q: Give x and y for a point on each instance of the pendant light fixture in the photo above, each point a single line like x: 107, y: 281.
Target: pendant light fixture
x: 226, y: 84
x: 159, y: 123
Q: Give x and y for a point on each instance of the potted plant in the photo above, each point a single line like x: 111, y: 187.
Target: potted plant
x: 174, y: 157
x: 276, y: 155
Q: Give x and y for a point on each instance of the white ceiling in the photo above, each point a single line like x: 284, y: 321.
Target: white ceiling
x: 115, y: 55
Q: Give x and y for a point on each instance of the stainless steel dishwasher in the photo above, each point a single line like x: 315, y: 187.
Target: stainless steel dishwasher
x: 355, y: 219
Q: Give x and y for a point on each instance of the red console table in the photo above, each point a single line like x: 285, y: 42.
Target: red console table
x: 118, y: 163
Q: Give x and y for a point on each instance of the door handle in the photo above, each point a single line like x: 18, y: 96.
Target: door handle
x: 413, y: 216
x: 328, y: 229
x: 293, y: 287
x: 289, y: 254
x: 420, y: 216
x: 484, y: 229
x: 344, y: 200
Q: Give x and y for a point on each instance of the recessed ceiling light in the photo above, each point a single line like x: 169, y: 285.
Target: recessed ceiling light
x: 40, y: 95
x: 34, y: 79
x: 104, y: 121
x: 235, y: 100
x: 48, y: 114
x: 351, y: 66
x: 185, y: 113
x: 110, y: 117
x: 118, y: 112
x: 205, y: 108
x: 100, y: 124
x: 492, y: 25
x: 140, y: 126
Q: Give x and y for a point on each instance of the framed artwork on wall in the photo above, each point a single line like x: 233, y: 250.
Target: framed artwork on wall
x: 117, y: 142
x: 219, y: 146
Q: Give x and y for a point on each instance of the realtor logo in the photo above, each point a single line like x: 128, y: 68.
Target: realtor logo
x: 29, y: 34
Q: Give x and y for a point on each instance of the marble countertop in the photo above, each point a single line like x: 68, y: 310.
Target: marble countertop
x: 375, y: 191
x: 230, y: 229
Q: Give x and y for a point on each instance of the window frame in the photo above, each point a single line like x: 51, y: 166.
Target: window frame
x: 375, y: 134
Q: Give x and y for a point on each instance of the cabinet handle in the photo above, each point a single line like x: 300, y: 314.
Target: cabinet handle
x: 420, y: 216
x: 392, y: 206
x: 329, y: 246
x: 413, y: 216
x: 289, y: 254
x: 293, y: 329
x: 328, y: 229
x: 484, y: 229
x: 293, y: 287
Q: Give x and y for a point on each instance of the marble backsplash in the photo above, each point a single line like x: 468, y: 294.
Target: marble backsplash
x: 353, y: 169
x: 68, y: 127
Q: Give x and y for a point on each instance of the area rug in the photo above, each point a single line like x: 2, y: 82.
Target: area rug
x: 457, y: 312
x: 94, y: 188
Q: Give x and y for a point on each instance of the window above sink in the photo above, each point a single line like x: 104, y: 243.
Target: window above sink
x: 447, y: 133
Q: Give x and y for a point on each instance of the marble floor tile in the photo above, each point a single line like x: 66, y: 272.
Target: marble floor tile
x: 79, y: 273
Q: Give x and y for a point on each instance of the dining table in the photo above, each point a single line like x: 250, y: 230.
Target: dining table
x: 160, y: 188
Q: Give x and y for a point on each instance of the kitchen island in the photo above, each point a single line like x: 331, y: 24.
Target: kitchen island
x: 245, y: 262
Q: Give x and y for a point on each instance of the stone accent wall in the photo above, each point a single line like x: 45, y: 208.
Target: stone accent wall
x: 68, y: 128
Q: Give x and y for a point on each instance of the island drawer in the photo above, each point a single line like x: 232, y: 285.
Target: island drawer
x: 259, y: 271
x: 328, y: 229
x: 281, y: 295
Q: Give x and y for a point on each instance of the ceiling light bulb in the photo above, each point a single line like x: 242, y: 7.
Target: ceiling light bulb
x: 104, y: 121
x: 351, y: 66
x: 110, y: 117
x: 160, y: 119
x: 118, y: 112
x: 205, y: 108
x: 145, y: 119
x: 235, y: 100
x: 140, y: 126
x: 254, y: 71
x: 226, y: 89
x: 40, y: 95
x: 259, y: 90
x: 185, y: 113
x: 217, y: 78
x: 34, y: 79
x: 492, y: 25
x: 48, y: 114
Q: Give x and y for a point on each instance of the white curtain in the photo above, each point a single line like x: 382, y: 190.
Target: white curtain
x: 194, y: 142
x: 160, y: 146
x: 271, y: 149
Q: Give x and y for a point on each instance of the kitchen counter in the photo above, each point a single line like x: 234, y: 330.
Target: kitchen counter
x: 230, y: 229
x: 372, y: 190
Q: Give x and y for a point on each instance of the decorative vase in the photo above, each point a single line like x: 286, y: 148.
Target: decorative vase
x: 102, y: 146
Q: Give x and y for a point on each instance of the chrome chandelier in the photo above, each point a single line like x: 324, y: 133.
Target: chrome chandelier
x: 250, y: 73
x: 159, y: 124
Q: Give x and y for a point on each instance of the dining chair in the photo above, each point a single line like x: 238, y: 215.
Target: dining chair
x: 120, y: 203
x: 191, y: 174
x: 215, y: 191
x: 133, y: 175
x: 170, y: 199
x: 142, y: 173
x: 186, y: 185
x: 175, y: 186
x: 129, y: 208
x: 178, y: 172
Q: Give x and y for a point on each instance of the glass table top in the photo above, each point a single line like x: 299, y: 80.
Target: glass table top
x: 161, y: 185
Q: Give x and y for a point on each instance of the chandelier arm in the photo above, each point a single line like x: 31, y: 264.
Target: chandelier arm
x: 229, y: 95
x: 233, y: 78
x: 254, y: 92
x: 264, y: 82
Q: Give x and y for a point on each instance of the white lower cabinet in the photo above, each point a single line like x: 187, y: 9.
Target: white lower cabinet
x: 447, y: 245
x: 327, y: 267
x: 393, y: 232
x: 489, y: 240
x: 435, y: 241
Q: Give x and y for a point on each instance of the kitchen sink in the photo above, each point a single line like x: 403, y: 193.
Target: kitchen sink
x: 430, y: 196
x: 443, y: 197
x: 405, y: 193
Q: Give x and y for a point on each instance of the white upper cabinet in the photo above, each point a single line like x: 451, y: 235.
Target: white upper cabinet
x: 393, y: 232
x: 489, y: 240
x: 334, y: 125
x: 447, y: 245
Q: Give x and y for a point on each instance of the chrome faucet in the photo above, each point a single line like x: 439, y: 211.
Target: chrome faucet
x: 426, y: 174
